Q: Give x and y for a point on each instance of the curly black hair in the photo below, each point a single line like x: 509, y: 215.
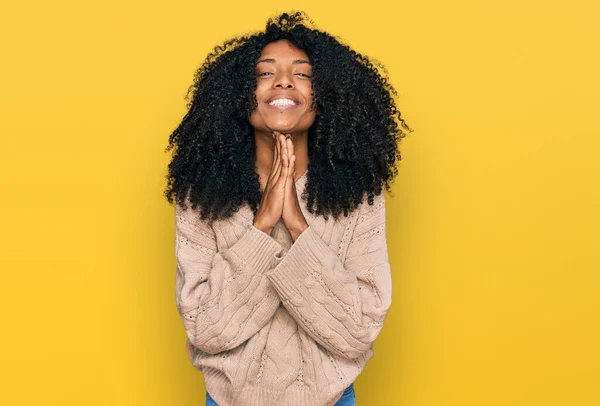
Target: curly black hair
x: 352, y: 144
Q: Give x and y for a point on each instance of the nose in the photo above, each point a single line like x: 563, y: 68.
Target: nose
x: 283, y: 79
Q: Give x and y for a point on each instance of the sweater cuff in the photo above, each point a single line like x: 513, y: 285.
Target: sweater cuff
x: 256, y: 250
x: 293, y: 274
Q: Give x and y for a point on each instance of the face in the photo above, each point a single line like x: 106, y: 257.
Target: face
x: 283, y: 90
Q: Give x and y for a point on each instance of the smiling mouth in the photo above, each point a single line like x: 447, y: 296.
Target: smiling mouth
x: 282, y: 104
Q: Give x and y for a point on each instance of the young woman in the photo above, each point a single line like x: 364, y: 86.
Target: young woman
x: 283, y: 280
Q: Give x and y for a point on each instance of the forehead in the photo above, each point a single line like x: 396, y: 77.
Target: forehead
x: 282, y: 51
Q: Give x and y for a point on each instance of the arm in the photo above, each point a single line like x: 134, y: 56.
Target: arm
x: 223, y: 296
x: 341, y: 306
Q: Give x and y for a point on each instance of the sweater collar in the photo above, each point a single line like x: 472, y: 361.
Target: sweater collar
x: 301, y: 181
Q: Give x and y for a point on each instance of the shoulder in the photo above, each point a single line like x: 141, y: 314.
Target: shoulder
x: 186, y: 213
x: 370, y: 216
x: 187, y: 219
x: 367, y: 209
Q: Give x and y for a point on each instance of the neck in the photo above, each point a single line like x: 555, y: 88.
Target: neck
x: 264, y: 154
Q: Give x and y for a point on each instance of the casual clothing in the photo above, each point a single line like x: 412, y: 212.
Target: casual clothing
x: 270, y: 321
x: 348, y: 398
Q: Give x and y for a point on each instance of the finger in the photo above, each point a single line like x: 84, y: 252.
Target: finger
x: 279, y: 166
x: 285, y: 161
x: 290, y: 146
x: 275, y: 150
x: 285, y: 148
x: 293, y: 171
x: 292, y: 167
x: 274, y: 164
x: 276, y: 157
x: 286, y: 178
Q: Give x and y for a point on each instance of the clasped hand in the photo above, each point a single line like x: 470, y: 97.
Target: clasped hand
x: 280, y: 199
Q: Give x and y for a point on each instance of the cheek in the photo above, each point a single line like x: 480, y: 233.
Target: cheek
x: 262, y: 88
x: 256, y: 116
x: 259, y: 94
x: 309, y: 96
x: 257, y: 99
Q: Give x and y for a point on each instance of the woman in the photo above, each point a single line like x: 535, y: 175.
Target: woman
x: 280, y: 294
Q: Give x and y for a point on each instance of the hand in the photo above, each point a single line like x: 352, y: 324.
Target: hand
x: 292, y: 214
x: 271, y: 204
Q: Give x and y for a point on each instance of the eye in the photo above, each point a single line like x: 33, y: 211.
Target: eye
x: 270, y: 73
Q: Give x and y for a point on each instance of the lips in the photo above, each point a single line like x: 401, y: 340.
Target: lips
x: 282, y: 96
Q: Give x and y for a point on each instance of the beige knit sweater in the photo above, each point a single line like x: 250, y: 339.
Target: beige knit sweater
x: 271, y: 321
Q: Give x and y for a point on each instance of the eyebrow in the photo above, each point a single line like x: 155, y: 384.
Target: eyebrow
x: 294, y: 62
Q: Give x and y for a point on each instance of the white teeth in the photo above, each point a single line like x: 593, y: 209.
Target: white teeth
x: 281, y: 102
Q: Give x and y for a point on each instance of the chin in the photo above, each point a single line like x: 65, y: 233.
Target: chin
x: 282, y: 127
x: 280, y: 124
x: 283, y: 130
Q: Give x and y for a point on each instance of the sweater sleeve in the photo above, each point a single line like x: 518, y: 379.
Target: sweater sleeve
x: 222, y: 296
x: 342, y: 306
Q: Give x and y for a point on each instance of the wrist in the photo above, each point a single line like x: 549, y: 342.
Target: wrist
x: 297, y: 230
x: 263, y: 227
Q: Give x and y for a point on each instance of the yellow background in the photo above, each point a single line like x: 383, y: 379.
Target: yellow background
x: 492, y: 230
